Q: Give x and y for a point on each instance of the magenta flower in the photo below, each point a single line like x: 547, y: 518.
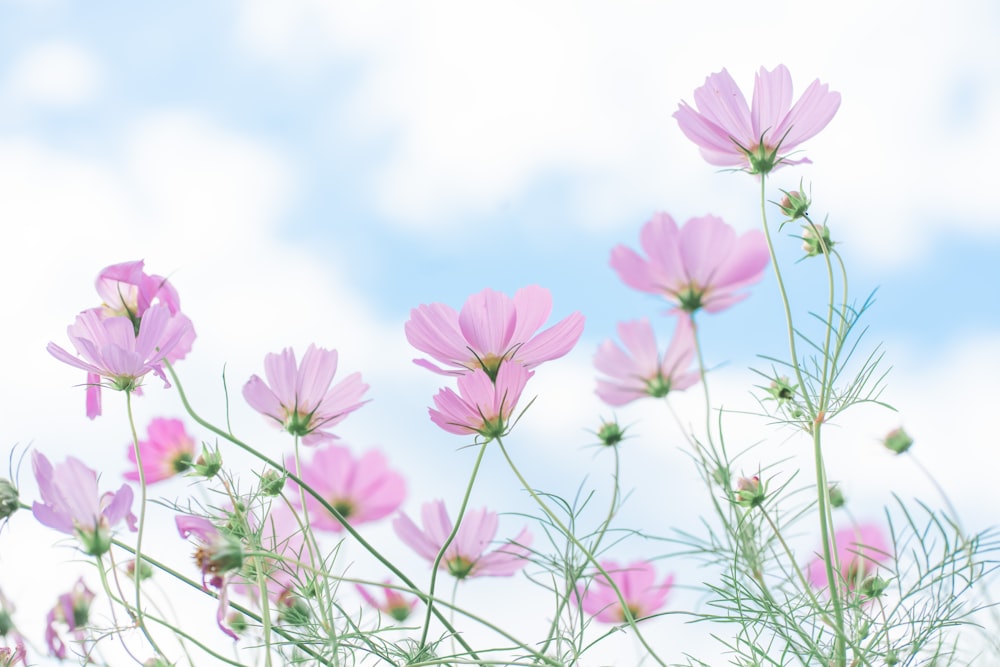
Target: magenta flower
x: 859, y: 551
x: 465, y: 556
x: 111, y: 348
x: 757, y: 138
x: 638, y: 370
x: 491, y: 328
x: 127, y: 291
x: 168, y: 451
x: 361, y: 489
x: 10, y: 657
x: 637, y: 584
x: 392, y: 602
x: 218, y: 555
x: 299, y: 398
x: 701, y: 265
x: 73, y: 610
x: 481, y: 406
x: 71, y: 503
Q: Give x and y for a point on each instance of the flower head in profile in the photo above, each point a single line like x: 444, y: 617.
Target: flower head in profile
x: 481, y: 406
x: 111, y: 348
x: 390, y: 601
x: 168, y: 451
x: 361, y: 489
x: 127, y: 291
x: 637, y: 584
x: 10, y: 657
x: 492, y: 328
x: 703, y: 264
x: 639, y: 370
x: 860, y: 550
x: 218, y: 554
x: 72, y: 504
x: 759, y: 137
x: 72, y: 610
x: 466, y: 556
x: 299, y: 398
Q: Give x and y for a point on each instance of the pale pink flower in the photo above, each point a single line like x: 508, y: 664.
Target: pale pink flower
x: 168, y: 451
x: 72, y: 504
x: 10, y: 657
x: 757, y: 138
x: 391, y: 601
x: 637, y: 584
x: 127, y: 291
x: 466, y: 555
x: 481, y: 406
x: 299, y: 398
x: 111, y: 348
x: 218, y: 555
x: 639, y: 370
x: 73, y: 610
x: 703, y: 264
x: 859, y: 551
x: 362, y: 489
x: 491, y: 328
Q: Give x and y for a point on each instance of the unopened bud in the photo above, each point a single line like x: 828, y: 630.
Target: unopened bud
x: 898, y: 441
x: 610, y: 433
x: 836, y: 496
x: 144, y: 570
x: 794, y: 204
x: 9, y: 500
x: 749, y: 491
x: 782, y: 389
x: 873, y: 586
x: 816, y: 239
x: 208, y: 464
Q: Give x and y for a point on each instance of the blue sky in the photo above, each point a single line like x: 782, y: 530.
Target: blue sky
x: 309, y: 171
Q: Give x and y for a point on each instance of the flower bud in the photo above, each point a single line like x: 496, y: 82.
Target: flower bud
x: 610, y: 433
x: 208, y: 464
x: 749, y: 491
x: 9, y: 501
x: 782, y: 389
x: 873, y: 586
x: 794, y: 204
x: 293, y: 611
x: 816, y: 239
x: 272, y: 482
x: 237, y: 622
x: 6, y: 623
x: 897, y: 440
x: 145, y: 570
x: 836, y: 496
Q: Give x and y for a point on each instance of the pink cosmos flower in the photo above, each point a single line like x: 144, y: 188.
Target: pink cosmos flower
x: 481, y: 406
x: 701, y: 265
x: 127, y: 291
x: 361, y: 489
x: 218, y: 555
x: 465, y: 556
x: 491, y: 328
x: 10, y: 657
x: 111, y: 348
x: 637, y: 584
x: 392, y: 603
x: 859, y: 551
x: 639, y: 371
x: 168, y: 451
x: 756, y: 138
x: 299, y: 397
x: 73, y: 610
x: 71, y: 503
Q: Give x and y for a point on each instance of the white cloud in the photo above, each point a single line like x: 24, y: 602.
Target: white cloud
x: 54, y: 74
x: 483, y: 103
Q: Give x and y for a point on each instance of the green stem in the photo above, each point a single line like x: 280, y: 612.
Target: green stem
x: 142, y: 527
x: 627, y: 613
x: 312, y: 492
x: 447, y: 543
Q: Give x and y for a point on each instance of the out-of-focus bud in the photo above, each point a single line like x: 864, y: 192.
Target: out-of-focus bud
x: 782, y: 389
x: 816, y: 239
x: 836, y: 496
x: 873, y: 586
x: 145, y: 571
x: 272, y: 482
x: 897, y: 440
x: 749, y: 491
x: 9, y: 500
x: 610, y: 433
x: 208, y: 464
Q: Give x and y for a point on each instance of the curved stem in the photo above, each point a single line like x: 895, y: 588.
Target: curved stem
x: 444, y: 547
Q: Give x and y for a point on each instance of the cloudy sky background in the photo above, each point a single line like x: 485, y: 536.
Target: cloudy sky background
x: 309, y: 171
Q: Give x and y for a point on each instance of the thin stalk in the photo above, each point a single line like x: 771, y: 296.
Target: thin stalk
x: 629, y: 618
x: 447, y: 543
